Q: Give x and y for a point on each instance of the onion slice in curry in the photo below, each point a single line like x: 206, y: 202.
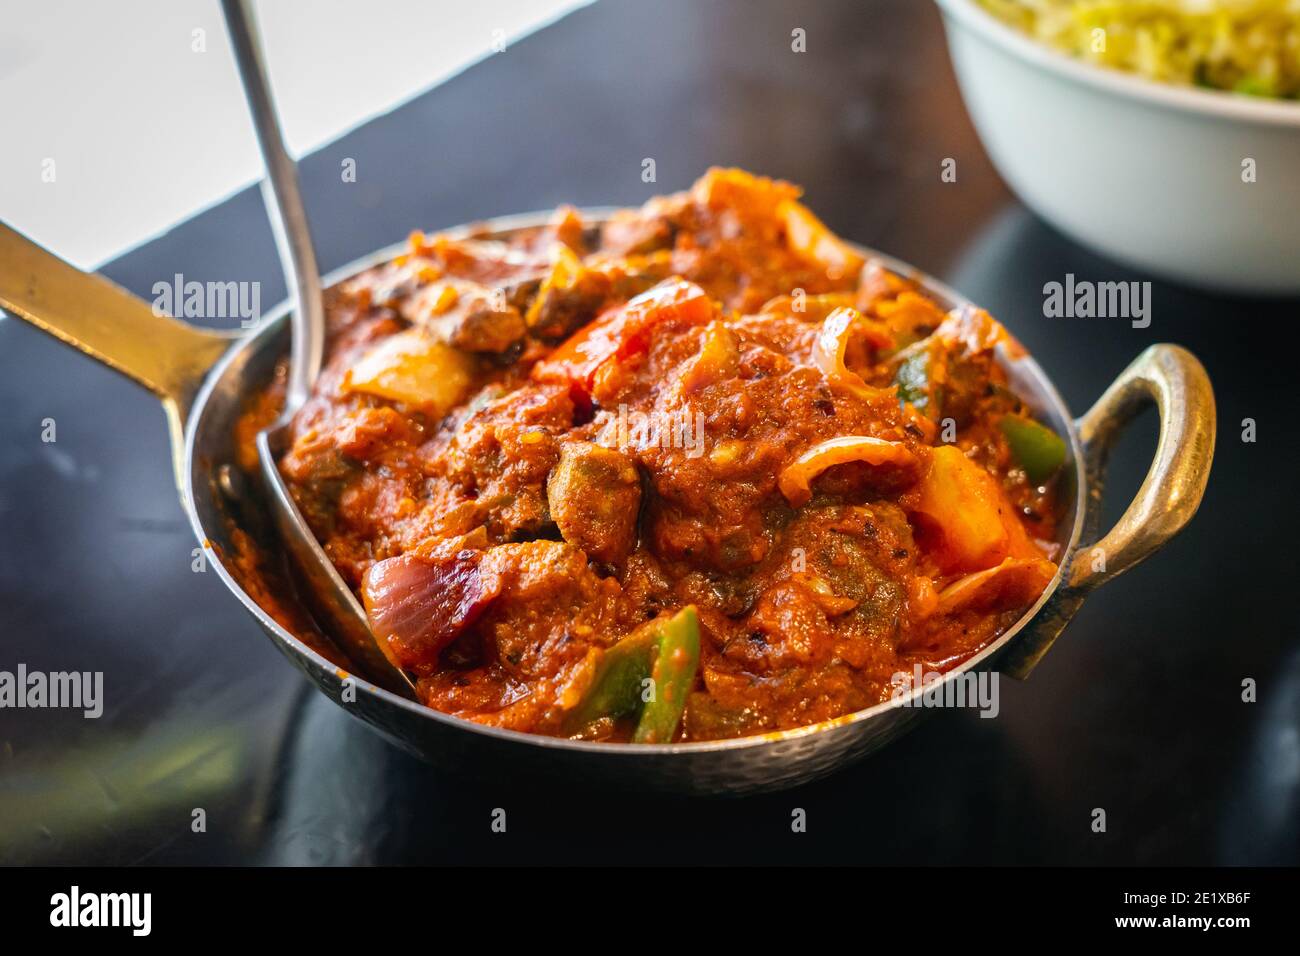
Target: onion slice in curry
x: 795, y: 480
x: 1014, y: 582
x: 833, y: 341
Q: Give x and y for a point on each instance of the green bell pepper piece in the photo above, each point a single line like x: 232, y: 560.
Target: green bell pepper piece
x: 665, y: 651
x: 616, y: 689
x: 1038, y: 449
x: 913, y: 380
x: 674, y: 676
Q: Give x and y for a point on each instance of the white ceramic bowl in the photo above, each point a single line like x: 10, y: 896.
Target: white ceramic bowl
x: 1146, y: 173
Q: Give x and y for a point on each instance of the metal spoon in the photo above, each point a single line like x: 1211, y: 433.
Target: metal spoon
x: 331, y: 599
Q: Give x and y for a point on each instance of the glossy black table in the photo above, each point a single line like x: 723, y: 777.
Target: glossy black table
x: 1137, y: 710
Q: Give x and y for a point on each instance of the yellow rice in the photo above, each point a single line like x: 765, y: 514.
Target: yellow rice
x: 1246, y: 46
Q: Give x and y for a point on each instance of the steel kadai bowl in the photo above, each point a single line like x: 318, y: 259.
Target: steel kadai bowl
x: 204, y: 379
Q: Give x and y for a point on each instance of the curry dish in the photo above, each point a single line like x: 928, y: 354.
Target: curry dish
x: 699, y: 471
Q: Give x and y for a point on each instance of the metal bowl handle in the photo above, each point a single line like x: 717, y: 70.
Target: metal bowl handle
x: 1172, y: 379
x: 110, y: 325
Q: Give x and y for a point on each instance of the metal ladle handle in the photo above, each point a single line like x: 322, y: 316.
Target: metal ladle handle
x: 284, y: 207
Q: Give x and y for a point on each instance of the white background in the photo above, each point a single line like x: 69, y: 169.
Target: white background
x: 144, y: 130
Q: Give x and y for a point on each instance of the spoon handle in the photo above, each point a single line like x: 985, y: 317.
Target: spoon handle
x: 284, y: 207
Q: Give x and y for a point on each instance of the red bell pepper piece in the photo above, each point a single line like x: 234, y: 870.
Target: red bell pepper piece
x: 623, y: 331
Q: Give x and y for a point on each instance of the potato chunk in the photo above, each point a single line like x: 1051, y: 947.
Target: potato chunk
x: 966, y: 504
x: 414, y: 368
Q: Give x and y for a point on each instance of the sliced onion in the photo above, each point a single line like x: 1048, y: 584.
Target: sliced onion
x: 833, y: 340
x: 977, y: 331
x: 795, y: 481
x: 1013, y: 583
x: 418, y: 605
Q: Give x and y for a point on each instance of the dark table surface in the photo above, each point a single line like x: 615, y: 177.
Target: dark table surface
x: 1137, y: 710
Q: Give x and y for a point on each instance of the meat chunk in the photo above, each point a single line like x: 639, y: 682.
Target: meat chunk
x: 550, y: 607
x: 633, y: 232
x: 467, y: 315
x: 569, y: 297
x: 594, y: 494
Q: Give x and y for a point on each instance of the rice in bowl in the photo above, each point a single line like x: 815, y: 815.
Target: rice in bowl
x: 1243, y: 46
